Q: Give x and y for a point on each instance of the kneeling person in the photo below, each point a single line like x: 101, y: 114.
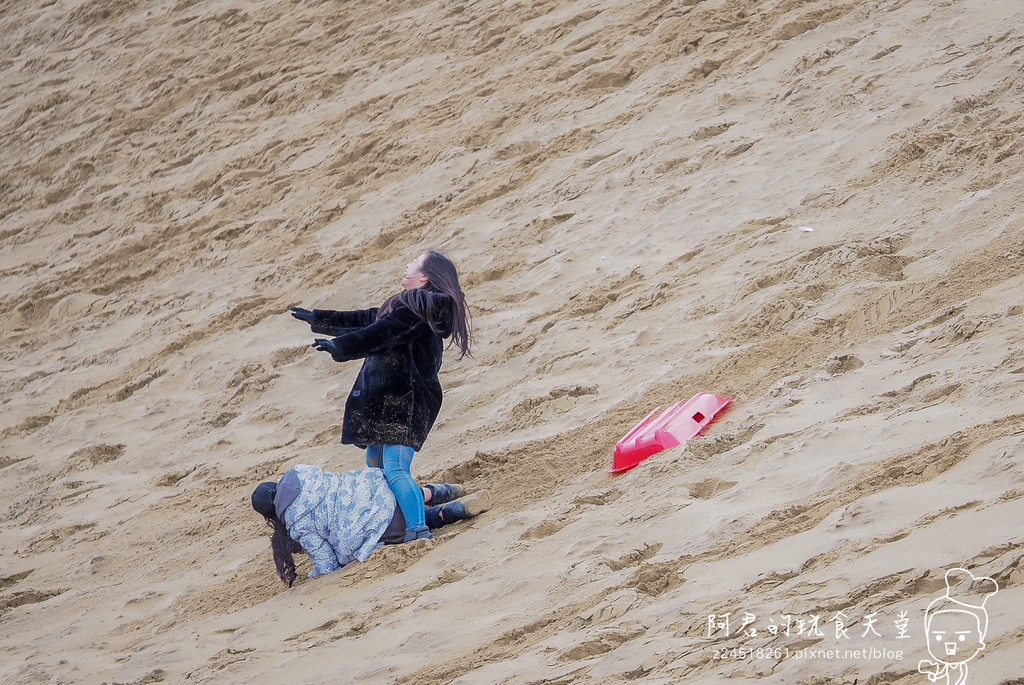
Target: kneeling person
x: 337, y: 518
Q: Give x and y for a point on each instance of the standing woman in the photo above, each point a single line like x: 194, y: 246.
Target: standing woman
x: 397, y: 395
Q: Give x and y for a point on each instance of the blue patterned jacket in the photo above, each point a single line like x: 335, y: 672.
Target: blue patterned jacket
x: 339, y: 517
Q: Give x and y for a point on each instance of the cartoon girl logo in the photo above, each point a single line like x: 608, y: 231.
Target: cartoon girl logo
x: 955, y: 624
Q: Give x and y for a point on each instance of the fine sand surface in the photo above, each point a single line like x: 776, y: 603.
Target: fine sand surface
x: 810, y: 206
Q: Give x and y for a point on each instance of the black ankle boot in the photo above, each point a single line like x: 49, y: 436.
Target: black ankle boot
x: 444, y: 492
x: 417, y: 533
x: 466, y: 507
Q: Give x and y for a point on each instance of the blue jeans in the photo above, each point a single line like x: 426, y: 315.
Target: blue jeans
x: 396, y: 460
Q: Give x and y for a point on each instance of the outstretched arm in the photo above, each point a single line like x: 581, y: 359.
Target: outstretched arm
x: 335, y: 323
x: 394, y: 330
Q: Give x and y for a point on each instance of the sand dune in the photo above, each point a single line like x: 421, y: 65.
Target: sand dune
x: 810, y: 206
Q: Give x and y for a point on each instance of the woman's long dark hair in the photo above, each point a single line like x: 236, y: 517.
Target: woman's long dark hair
x: 283, y: 547
x: 441, y: 302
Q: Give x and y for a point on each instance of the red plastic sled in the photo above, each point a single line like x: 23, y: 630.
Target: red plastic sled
x: 673, y: 427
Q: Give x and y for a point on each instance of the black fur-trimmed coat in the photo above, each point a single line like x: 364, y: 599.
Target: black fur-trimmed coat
x: 397, y: 395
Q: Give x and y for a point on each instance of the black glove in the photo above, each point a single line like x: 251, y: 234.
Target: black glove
x: 302, y: 314
x: 324, y: 345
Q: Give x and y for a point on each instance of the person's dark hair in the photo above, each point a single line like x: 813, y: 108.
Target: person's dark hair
x: 281, y: 544
x: 440, y: 303
x: 283, y: 548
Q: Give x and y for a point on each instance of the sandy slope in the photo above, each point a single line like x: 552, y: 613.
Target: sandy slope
x: 811, y: 206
